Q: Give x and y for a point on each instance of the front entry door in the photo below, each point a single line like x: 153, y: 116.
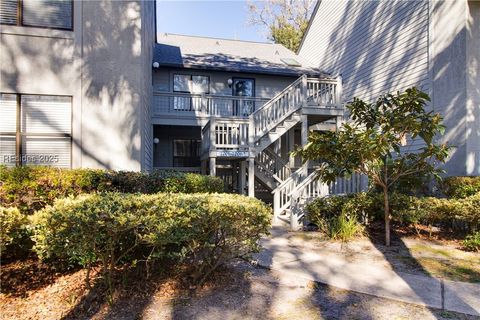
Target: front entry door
x: 243, y: 87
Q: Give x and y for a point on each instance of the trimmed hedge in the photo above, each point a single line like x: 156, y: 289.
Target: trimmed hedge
x: 460, y: 187
x: 31, y: 188
x: 114, y: 229
x: 456, y: 214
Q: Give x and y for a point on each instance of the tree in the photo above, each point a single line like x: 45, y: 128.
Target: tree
x: 379, y: 142
x: 285, y: 20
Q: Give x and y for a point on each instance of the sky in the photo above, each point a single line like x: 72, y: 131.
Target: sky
x: 219, y: 19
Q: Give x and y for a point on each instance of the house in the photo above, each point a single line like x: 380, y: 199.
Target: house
x: 385, y: 46
x: 87, y: 84
x: 236, y: 109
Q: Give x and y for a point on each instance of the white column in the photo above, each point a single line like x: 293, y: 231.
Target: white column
x: 291, y: 145
x: 339, y: 121
x: 251, y: 177
x: 213, y: 167
x: 242, y: 176
x: 304, y: 135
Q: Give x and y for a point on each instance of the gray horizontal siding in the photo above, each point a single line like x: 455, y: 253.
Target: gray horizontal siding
x: 377, y: 46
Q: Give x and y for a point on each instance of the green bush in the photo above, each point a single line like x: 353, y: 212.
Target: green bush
x: 343, y: 227
x: 460, y: 187
x: 12, y: 227
x: 31, y: 188
x: 472, y: 242
x: 455, y: 214
x: 115, y: 229
x: 339, y: 217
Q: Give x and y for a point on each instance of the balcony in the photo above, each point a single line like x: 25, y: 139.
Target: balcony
x: 203, y: 105
x: 323, y: 98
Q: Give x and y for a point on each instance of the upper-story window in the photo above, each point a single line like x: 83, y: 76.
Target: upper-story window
x: 191, y: 83
x: 187, y: 83
x: 53, y: 14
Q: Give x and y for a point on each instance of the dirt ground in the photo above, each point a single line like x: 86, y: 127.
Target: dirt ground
x: 240, y: 291
x: 409, y: 252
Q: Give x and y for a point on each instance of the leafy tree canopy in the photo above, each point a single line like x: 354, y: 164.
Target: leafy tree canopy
x: 386, y: 140
x: 284, y: 20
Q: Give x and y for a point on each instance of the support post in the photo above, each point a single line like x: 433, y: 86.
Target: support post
x: 276, y: 206
x: 304, y: 136
x: 251, y: 177
x: 242, y: 176
x: 304, y: 130
x: 213, y: 167
x: 339, y: 91
x: 291, y: 145
x: 338, y: 122
x: 203, y: 167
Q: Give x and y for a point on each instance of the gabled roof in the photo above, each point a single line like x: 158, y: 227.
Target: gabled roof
x: 229, y: 55
x: 310, y: 21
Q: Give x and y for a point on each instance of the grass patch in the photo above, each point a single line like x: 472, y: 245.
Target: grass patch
x: 436, y: 251
x: 456, y: 270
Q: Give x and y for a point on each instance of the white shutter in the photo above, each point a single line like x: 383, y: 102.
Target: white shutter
x: 46, y: 151
x: 46, y: 114
x: 8, y: 112
x: 7, y: 150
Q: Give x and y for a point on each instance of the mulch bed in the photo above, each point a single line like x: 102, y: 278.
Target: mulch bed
x: 31, y: 289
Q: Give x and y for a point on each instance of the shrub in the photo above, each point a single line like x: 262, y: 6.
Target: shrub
x: 12, y: 226
x: 338, y: 216
x: 460, y: 187
x: 455, y: 214
x: 343, y: 227
x: 31, y: 188
x: 115, y: 229
x: 472, y: 242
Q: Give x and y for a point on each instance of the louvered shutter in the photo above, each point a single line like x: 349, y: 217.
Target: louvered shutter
x: 8, y: 128
x: 46, y: 124
x: 8, y: 11
x: 47, y: 13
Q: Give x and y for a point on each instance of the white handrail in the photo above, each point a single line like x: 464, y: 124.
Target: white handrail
x: 279, y: 108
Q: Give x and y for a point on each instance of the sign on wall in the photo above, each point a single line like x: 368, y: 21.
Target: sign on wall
x: 232, y: 154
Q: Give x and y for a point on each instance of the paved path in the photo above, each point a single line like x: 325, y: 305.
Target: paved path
x: 371, y: 277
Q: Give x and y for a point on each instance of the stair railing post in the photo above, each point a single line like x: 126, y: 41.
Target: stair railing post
x: 339, y: 90
x: 304, y: 91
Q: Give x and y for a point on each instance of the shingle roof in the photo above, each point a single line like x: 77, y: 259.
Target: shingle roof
x: 228, y: 55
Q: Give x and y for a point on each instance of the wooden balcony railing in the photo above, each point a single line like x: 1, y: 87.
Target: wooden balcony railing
x: 227, y: 137
x: 205, y: 105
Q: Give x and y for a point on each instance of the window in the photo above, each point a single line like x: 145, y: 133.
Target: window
x: 186, y: 153
x: 55, y: 14
x: 35, y: 130
x: 243, y: 87
x: 189, y: 84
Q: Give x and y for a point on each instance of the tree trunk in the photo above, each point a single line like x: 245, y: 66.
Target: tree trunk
x: 387, y: 216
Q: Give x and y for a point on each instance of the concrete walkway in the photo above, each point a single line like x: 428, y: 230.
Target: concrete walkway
x: 371, y: 277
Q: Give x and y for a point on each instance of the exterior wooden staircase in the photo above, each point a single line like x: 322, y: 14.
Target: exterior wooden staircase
x: 252, y: 138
